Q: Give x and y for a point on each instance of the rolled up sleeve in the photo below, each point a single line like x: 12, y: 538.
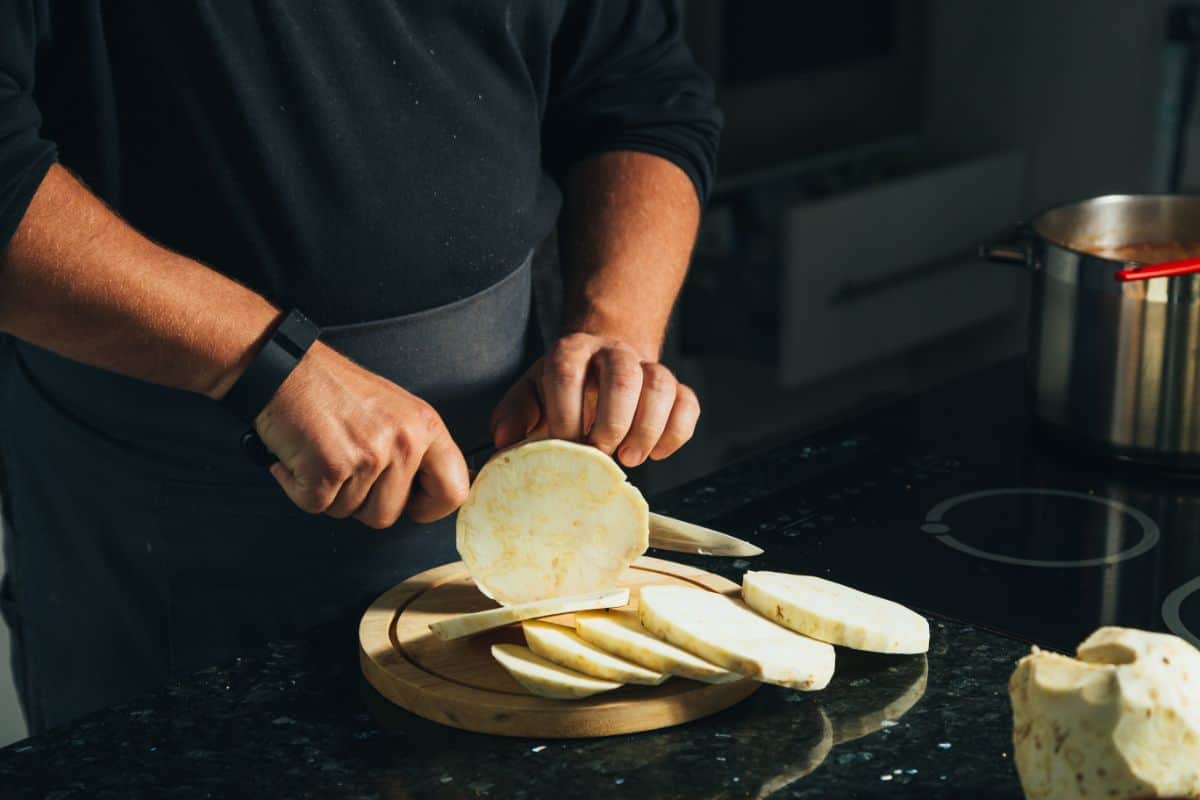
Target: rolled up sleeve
x: 24, y: 155
x: 622, y: 78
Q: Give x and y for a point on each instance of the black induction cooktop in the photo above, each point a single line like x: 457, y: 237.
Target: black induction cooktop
x: 953, y: 503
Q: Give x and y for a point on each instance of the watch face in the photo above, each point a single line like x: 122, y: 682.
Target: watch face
x: 296, y: 333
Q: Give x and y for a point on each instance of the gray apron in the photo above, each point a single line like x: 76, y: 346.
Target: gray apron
x: 141, y: 543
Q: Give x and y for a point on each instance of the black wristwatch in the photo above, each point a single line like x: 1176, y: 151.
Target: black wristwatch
x: 274, y: 362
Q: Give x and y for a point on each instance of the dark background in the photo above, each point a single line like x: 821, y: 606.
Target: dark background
x: 870, y: 145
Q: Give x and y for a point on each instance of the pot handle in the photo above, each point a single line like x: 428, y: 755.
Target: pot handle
x: 1013, y: 246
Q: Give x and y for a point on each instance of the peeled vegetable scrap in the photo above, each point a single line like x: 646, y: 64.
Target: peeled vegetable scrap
x: 1122, y: 720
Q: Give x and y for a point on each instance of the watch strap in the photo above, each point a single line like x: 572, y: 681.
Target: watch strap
x: 288, y: 343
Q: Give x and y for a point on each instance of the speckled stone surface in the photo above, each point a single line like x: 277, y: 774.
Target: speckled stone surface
x: 298, y: 720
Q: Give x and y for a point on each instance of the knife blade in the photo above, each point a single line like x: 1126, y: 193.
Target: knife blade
x: 666, y: 533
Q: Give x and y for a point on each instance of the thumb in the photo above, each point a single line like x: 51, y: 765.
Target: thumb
x: 518, y: 413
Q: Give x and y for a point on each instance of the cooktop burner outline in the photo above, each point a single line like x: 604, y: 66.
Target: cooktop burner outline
x: 1170, y: 610
x: 941, y: 531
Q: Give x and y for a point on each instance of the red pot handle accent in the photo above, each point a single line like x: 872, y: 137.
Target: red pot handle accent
x: 1167, y: 269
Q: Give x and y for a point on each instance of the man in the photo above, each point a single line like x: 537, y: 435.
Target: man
x: 381, y: 168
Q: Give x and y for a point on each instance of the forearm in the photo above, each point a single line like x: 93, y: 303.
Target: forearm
x: 626, y: 234
x: 78, y: 280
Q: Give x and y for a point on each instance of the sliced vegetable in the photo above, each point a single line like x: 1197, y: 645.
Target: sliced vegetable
x: 565, y: 648
x: 550, y: 518
x: 545, y: 678
x: 620, y: 633
x: 835, y: 613
x: 727, y: 633
x: 480, y: 621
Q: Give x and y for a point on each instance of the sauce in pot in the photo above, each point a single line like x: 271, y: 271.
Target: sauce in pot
x: 1147, y: 252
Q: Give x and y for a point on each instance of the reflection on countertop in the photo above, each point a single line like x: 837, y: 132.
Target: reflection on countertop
x: 298, y: 721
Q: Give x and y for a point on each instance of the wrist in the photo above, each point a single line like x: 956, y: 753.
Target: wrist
x: 310, y: 378
x: 278, y: 357
x: 253, y: 344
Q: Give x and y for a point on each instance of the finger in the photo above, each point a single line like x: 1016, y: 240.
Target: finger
x: 619, y: 384
x: 681, y: 424
x: 518, y: 413
x: 386, y: 500
x: 540, y: 431
x: 653, y: 411
x: 591, y: 395
x: 441, y: 482
x: 353, y: 493
x: 308, y: 497
x: 562, y: 374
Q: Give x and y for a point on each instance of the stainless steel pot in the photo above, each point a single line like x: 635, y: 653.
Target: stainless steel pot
x: 1113, y: 365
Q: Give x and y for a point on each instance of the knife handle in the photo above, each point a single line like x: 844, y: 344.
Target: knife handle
x: 255, y: 450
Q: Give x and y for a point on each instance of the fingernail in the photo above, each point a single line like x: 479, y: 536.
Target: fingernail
x: 631, y: 457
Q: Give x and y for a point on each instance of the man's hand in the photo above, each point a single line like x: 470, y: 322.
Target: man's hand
x: 353, y: 444
x: 599, y: 390
x: 624, y: 239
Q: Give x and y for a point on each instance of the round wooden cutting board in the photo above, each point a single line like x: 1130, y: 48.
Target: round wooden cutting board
x: 458, y: 683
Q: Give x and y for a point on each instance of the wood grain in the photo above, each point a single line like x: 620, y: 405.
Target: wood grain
x: 459, y: 684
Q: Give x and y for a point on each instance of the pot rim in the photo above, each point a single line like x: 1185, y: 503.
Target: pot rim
x: 1100, y: 200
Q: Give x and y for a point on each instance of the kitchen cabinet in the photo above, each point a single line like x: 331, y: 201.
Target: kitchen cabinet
x: 874, y: 271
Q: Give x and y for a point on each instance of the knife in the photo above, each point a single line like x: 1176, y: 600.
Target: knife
x: 666, y: 533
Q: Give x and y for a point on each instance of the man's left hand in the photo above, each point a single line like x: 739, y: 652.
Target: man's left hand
x: 601, y: 391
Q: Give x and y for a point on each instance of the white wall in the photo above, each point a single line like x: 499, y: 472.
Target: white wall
x: 12, y: 726
x: 1075, y: 85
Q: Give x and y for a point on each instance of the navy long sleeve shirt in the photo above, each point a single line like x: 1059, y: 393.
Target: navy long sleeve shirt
x: 358, y: 160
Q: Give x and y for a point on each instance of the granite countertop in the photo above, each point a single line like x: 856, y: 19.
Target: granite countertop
x: 297, y: 720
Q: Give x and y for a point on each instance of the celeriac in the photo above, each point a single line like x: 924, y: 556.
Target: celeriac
x: 620, y: 633
x: 550, y: 518
x: 545, y: 678
x: 565, y: 648
x: 727, y: 633
x: 481, y: 621
x: 831, y: 612
x: 1122, y: 720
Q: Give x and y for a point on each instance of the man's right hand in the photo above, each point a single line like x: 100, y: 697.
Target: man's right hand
x: 75, y: 279
x: 353, y: 444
